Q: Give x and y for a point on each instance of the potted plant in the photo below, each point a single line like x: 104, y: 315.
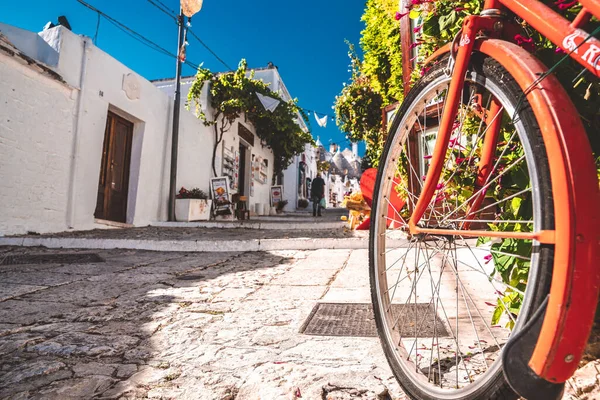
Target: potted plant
x: 280, y: 206
x: 302, y: 203
x: 192, y: 205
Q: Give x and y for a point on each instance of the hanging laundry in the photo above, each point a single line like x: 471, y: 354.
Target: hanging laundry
x: 322, y: 122
x: 269, y: 103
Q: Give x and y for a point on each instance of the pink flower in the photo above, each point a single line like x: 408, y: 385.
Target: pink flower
x: 559, y: 50
x: 520, y: 39
x: 427, y: 157
x: 425, y: 70
x: 439, y: 186
x: 459, y: 160
x: 415, y: 44
x: 400, y: 15
x: 566, y: 6
x: 526, y: 43
x: 417, y: 29
x: 488, y: 258
x: 459, y: 9
x: 454, y: 143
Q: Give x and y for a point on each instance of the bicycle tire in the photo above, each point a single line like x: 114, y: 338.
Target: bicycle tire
x: 488, y: 74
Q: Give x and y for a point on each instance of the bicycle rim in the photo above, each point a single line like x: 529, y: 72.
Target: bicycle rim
x: 445, y: 305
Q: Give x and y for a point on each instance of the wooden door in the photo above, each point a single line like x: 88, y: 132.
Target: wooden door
x: 242, y: 171
x: 113, y: 183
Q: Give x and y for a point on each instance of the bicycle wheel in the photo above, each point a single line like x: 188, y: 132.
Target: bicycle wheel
x: 445, y: 304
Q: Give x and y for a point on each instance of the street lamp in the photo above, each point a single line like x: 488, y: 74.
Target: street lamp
x: 188, y: 9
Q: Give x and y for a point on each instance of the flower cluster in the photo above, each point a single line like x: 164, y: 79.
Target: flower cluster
x: 194, y: 193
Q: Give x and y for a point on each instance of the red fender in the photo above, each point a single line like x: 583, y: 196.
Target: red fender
x: 576, y: 278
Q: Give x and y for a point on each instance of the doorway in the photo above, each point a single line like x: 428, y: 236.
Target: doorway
x: 113, y: 183
x: 242, y: 172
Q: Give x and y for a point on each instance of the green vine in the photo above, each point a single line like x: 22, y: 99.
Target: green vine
x: 232, y: 96
x: 376, y: 80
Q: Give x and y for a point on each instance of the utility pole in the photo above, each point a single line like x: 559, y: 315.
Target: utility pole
x: 176, y: 109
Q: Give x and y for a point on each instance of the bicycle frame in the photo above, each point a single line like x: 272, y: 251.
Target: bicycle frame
x: 575, y: 282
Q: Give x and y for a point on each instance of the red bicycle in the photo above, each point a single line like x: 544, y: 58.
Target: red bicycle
x: 485, y: 283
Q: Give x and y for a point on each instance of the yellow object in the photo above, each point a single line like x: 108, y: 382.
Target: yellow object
x: 344, y: 218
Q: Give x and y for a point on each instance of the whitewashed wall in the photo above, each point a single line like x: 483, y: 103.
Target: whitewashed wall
x: 291, y: 175
x: 51, y: 137
x: 102, y: 90
x: 36, y: 129
x: 194, y: 163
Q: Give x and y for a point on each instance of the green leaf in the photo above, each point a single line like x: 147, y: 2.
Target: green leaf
x: 446, y: 22
x: 498, y: 311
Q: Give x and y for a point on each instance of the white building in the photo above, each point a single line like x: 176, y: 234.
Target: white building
x: 343, y: 175
x: 84, y: 139
x: 298, y: 176
x: 303, y: 165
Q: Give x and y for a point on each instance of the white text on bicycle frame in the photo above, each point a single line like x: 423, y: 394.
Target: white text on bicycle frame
x: 591, y: 55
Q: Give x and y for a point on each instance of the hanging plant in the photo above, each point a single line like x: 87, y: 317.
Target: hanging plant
x: 376, y: 80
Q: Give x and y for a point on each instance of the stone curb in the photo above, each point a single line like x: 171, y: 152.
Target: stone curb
x: 279, y: 225
x: 195, y: 246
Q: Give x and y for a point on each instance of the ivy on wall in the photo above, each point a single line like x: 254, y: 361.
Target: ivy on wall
x: 232, y: 96
x: 376, y: 80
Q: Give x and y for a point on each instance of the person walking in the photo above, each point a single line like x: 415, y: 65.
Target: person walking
x: 317, y: 192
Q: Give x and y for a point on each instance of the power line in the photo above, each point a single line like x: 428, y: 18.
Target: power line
x: 149, y: 43
x: 164, y: 10
x: 166, y: 7
x: 135, y: 35
x: 170, y: 13
x: 209, y: 49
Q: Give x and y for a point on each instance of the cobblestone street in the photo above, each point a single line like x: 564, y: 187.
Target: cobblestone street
x: 140, y: 324
x: 181, y: 325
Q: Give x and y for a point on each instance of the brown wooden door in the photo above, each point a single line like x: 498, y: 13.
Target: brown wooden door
x: 113, y: 184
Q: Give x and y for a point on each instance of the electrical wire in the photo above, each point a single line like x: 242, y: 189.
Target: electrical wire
x: 164, y: 10
x: 149, y: 43
x: 166, y: 7
x: 135, y: 35
x: 95, y: 40
x: 209, y: 49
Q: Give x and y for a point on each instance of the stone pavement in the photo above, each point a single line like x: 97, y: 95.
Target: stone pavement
x: 192, y: 326
x: 186, y: 326
x: 292, y: 232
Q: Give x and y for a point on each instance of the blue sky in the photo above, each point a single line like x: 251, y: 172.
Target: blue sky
x: 305, y: 40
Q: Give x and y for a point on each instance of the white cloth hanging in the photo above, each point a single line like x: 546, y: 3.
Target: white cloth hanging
x: 322, y: 122
x: 269, y: 103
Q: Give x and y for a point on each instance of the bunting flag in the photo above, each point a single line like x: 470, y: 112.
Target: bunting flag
x: 269, y: 103
x: 322, y: 122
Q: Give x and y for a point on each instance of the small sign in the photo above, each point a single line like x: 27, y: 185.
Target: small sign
x: 246, y: 134
x: 276, y: 195
x: 219, y: 191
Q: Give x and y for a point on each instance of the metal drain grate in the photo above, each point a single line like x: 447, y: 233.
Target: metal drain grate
x: 66, y: 258
x: 356, y: 319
